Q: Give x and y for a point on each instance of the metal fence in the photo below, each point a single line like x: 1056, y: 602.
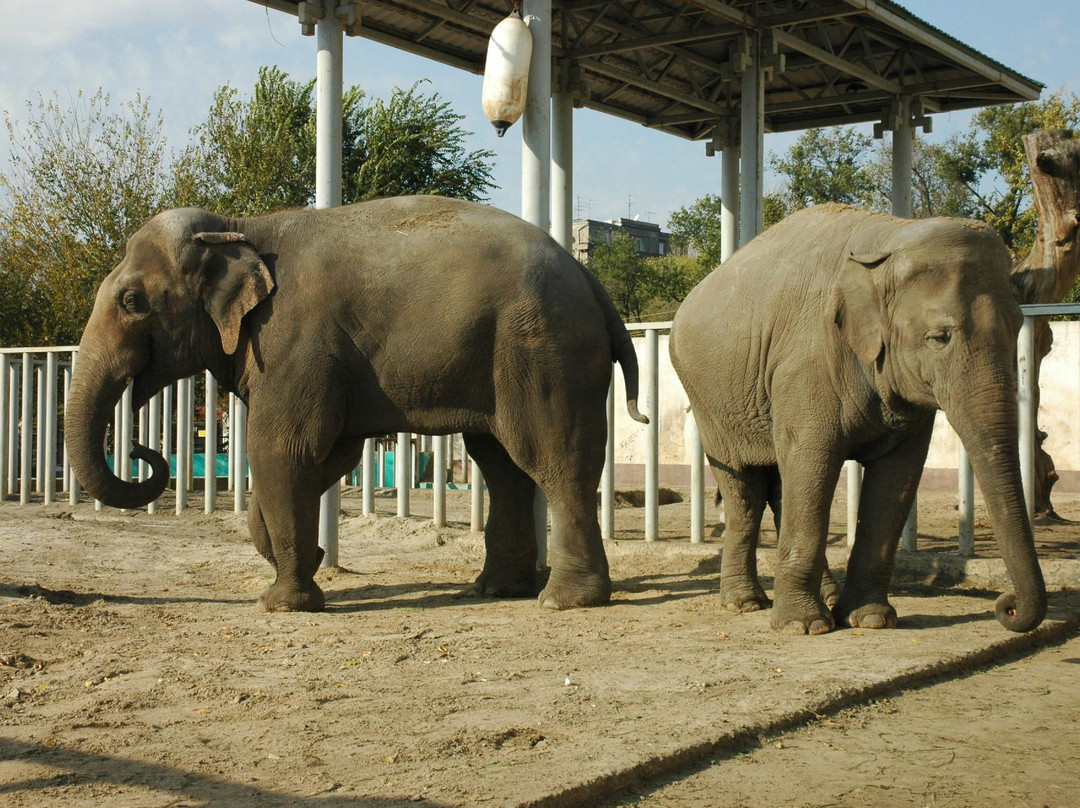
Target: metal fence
x: 35, y: 384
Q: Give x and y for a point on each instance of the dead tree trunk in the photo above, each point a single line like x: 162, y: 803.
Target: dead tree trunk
x: 1048, y: 272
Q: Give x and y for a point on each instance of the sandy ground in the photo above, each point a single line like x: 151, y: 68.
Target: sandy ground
x: 136, y: 670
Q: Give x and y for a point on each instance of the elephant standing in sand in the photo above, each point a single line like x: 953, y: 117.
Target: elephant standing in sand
x: 837, y: 334
x: 413, y: 314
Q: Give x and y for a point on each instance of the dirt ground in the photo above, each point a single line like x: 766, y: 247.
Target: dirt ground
x: 136, y: 670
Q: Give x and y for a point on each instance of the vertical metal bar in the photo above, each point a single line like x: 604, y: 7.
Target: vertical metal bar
x: 903, y: 139
x: 39, y: 428
x: 752, y: 101
x: 476, y: 484
x: 167, y: 396
x: 910, y: 535
x: 143, y: 420
x: 1025, y: 362
x: 697, y: 483
x: 49, y: 418
x: 403, y: 471
x: 183, y: 430
x: 65, y: 461
x: 231, y: 452
x: 729, y: 201
x: 5, y: 447
x: 238, y: 435
x: 368, y: 473
x: 27, y: 458
x: 965, y: 501
x: 438, y: 481
x: 74, y: 487
x: 123, y: 447
x: 854, y: 493
x: 607, y: 480
x: 652, y: 433
x: 153, y: 437
x: 210, y: 446
x: 13, y: 426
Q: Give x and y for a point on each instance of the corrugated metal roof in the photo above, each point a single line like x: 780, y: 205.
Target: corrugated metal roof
x: 675, y: 66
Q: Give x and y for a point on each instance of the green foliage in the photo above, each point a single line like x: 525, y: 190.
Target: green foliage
x: 624, y: 273
x: 826, y: 166
x: 82, y: 178
x: 411, y: 144
x: 695, y: 230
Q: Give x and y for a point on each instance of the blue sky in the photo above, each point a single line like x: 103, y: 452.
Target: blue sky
x: 177, y: 52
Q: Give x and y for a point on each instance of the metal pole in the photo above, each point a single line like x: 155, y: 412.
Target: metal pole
x: 403, y: 471
x: 167, y: 423
x: 143, y: 416
x: 368, y: 472
x: 210, y: 446
x: 729, y: 201
x: 854, y: 494
x: 607, y: 480
x: 965, y: 501
x: 5, y: 448
x: 238, y: 436
x: 74, y: 488
x: 752, y: 142
x: 697, y: 484
x: 1025, y: 366
x: 231, y: 453
x: 562, y: 167
x: 153, y: 437
x: 27, y: 429
x: 39, y: 428
x: 438, y: 481
x: 183, y: 430
x: 13, y: 416
x: 476, y: 485
x: 652, y: 436
x: 328, y: 145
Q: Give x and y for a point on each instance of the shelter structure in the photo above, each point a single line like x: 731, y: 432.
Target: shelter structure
x: 723, y: 72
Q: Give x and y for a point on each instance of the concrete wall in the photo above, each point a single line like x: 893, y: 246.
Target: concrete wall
x: 1059, y: 417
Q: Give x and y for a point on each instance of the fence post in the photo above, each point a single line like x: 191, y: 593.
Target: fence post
x: 51, y: 410
x: 652, y: 432
x: 39, y: 444
x: 367, y: 472
x: 238, y: 435
x: 14, y: 441
x: 4, y: 447
x: 153, y: 437
x: 27, y: 429
x: 854, y: 493
x: 476, y: 484
x: 183, y: 433
x: 697, y: 483
x: 965, y: 505
x: 438, y: 481
x: 607, y: 480
x: 1025, y: 377
x: 403, y: 471
x: 210, y: 446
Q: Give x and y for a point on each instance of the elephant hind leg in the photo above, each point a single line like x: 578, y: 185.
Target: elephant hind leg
x: 509, y: 535
x: 744, y: 493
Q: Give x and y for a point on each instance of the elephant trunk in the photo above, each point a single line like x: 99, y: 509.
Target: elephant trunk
x: 992, y: 446
x: 90, y: 407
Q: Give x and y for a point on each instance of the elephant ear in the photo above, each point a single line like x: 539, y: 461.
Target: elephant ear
x: 856, y: 306
x: 236, y: 281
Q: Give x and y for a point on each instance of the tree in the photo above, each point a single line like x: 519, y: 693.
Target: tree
x: 258, y: 154
x: 624, y: 273
x: 695, y: 230
x: 82, y: 178
x: 827, y: 166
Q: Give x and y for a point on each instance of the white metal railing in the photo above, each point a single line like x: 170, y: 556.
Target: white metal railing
x: 34, y: 382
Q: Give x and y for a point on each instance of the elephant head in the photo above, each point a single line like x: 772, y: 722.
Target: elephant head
x: 935, y: 317
x: 172, y: 307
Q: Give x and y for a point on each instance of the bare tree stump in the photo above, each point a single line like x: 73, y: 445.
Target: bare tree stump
x: 1049, y: 271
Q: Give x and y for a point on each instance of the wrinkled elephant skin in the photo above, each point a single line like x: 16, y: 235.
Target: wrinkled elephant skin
x: 414, y: 314
x: 836, y: 334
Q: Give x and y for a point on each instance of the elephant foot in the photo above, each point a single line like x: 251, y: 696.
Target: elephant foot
x: 870, y: 615
x: 281, y: 597
x: 503, y: 584
x: 798, y: 622
x: 572, y: 592
x: 747, y: 599
x: 830, y: 589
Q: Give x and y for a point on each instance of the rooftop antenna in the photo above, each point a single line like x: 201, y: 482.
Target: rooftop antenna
x: 629, y: 203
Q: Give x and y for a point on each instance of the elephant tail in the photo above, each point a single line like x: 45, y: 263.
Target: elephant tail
x: 622, y: 347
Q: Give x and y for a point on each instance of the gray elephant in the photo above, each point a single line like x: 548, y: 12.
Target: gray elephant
x: 836, y: 334
x: 419, y: 314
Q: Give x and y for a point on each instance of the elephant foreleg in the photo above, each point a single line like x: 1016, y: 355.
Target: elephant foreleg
x: 888, y: 491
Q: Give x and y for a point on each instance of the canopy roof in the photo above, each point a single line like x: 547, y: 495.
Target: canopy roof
x: 673, y: 65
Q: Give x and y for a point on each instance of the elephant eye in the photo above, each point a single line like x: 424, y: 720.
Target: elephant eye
x: 938, y: 338
x: 134, y: 302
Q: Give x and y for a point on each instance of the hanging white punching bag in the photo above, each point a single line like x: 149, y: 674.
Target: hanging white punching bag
x: 506, y: 72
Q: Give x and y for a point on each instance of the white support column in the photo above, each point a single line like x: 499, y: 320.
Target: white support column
x: 153, y: 438
x: 49, y: 421
x: 607, y: 479
x: 536, y: 167
x: 697, y: 484
x: 476, y: 486
x: 14, y: 418
x: 729, y: 201
x: 438, y: 481
x: 65, y: 392
x: 562, y: 166
x: 238, y: 438
x: 5, y: 446
x: 652, y: 441
x: 210, y: 446
x: 328, y: 146
x: 1025, y: 383
x: 27, y: 419
x: 367, y: 475
x: 183, y: 431
x: 39, y: 442
x: 167, y: 396
x: 403, y: 472
x: 854, y: 494
x: 965, y: 502
x: 752, y: 142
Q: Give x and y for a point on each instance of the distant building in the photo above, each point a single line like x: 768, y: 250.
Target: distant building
x: 649, y: 239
